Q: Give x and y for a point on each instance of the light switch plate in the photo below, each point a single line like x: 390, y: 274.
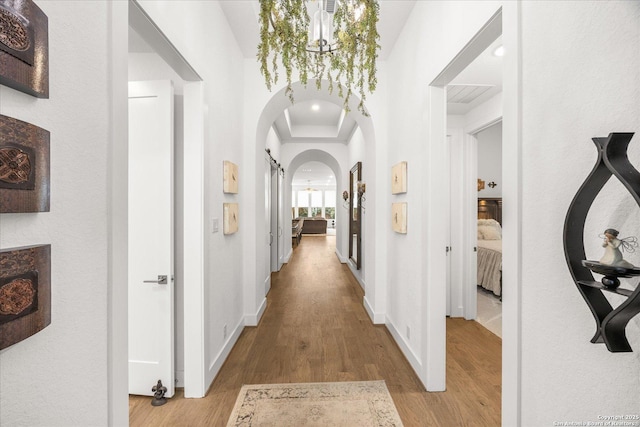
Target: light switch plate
x: 214, y: 225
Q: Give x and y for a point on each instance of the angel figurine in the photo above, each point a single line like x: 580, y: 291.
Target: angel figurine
x: 613, y: 245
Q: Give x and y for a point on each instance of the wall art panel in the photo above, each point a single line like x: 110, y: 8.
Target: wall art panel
x: 24, y: 167
x: 230, y: 179
x: 399, y: 217
x: 24, y: 47
x: 230, y: 218
x: 399, y: 178
x: 25, y: 292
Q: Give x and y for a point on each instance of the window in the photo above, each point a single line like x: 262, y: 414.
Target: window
x: 330, y: 204
x: 316, y: 203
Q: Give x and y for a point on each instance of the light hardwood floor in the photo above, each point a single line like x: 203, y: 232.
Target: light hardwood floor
x: 315, y: 329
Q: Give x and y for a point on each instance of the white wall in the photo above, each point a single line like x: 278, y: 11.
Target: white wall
x: 59, y: 376
x: 564, y: 376
x: 433, y: 35
x: 490, y: 160
x: 200, y: 32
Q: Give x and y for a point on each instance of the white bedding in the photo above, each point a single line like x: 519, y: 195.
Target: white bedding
x: 494, y: 245
x: 490, y: 256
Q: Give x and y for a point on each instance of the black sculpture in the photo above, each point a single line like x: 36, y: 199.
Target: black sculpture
x: 158, y: 394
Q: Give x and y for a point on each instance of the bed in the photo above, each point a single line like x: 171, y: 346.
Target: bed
x: 490, y: 245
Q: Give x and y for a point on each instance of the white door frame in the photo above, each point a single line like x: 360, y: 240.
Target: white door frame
x: 434, y: 300
x: 123, y: 14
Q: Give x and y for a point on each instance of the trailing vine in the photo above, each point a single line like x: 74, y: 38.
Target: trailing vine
x: 284, y: 37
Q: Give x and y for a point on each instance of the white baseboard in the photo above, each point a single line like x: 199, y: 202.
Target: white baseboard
x: 267, y: 284
x: 376, y: 318
x: 414, y: 361
x: 254, y: 319
x: 287, y: 257
x: 216, y: 364
x: 343, y: 260
x: 354, y: 271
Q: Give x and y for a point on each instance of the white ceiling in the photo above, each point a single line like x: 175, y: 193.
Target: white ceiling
x: 299, y: 123
x: 476, y: 84
x: 242, y: 16
x: 315, y: 175
x: 315, y: 121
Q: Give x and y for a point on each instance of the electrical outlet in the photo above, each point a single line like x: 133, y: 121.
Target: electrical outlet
x: 408, y: 332
x: 214, y: 225
x: 224, y: 331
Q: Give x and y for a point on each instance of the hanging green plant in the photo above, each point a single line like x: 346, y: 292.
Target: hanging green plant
x: 341, y: 48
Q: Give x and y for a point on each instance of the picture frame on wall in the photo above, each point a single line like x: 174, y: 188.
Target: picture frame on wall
x: 24, y: 47
x: 399, y: 178
x: 24, y: 167
x: 230, y: 178
x: 399, y: 217
x: 230, y: 218
x: 25, y: 292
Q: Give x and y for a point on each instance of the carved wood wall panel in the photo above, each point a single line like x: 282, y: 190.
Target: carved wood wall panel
x: 24, y: 167
x: 25, y: 292
x: 24, y: 47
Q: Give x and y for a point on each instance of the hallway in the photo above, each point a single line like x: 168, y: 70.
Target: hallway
x: 315, y: 329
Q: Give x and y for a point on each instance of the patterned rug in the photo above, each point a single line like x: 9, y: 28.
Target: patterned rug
x: 365, y: 403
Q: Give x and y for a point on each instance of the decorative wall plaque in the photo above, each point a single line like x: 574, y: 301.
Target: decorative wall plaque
x: 399, y: 217
x: 24, y: 167
x: 25, y: 292
x: 230, y: 179
x: 230, y: 218
x: 24, y: 47
x: 399, y: 178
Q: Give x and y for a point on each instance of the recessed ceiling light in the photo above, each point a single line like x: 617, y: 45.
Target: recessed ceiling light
x: 499, y: 51
x: 315, y: 107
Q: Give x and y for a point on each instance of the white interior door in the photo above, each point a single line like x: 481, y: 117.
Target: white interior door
x: 280, y: 219
x: 447, y: 203
x: 275, y: 218
x: 267, y: 213
x: 151, y: 289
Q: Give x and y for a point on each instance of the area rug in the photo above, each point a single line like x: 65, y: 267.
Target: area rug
x: 364, y: 403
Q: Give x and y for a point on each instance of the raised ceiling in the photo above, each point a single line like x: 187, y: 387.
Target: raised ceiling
x: 301, y: 123
x: 315, y: 121
x: 242, y: 16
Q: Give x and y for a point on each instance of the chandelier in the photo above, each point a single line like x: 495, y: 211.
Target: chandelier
x: 332, y: 40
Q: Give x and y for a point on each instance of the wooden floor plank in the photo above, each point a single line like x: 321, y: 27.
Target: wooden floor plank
x: 315, y: 329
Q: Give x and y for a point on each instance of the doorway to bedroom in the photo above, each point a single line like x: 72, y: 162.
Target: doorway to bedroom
x: 474, y: 129
x: 489, y: 231
x: 473, y: 93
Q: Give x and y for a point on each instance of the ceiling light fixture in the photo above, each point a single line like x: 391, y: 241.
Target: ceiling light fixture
x: 315, y: 107
x: 499, y: 51
x: 346, y: 30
